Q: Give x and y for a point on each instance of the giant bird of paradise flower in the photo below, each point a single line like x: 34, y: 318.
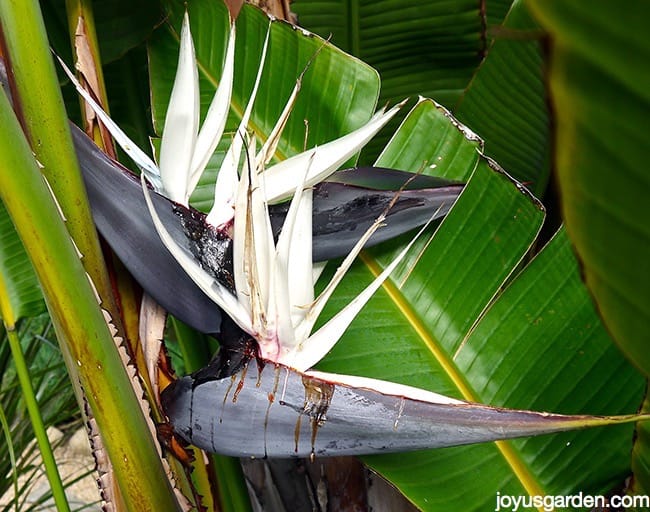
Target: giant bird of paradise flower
x: 267, y: 401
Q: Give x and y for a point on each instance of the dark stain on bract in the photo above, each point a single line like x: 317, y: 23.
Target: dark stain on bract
x: 211, y: 247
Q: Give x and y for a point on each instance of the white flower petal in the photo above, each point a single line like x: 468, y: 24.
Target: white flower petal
x: 291, y: 278
x: 301, y: 273
x: 317, y: 270
x: 253, y: 246
x: 279, y: 307
x: 322, y: 341
x: 244, y: 254
x: 142, y: 160
x: 181, y: 122
x: 215, y: 120
x: 281, y: 178
x: 240, y: 230
x: 225, y: 188
x: 278, y: 317
x: 263, y: 245
x: 210, y: 286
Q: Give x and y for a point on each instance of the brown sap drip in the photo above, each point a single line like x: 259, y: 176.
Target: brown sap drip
x: 276, y: 383
x: 271, y: 397
x: 225, y: 396
x: 318, y: 396
x: 240, y: 384
x: 260, y: 367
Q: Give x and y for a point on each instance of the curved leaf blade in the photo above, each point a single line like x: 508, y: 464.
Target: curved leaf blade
x: 451, y: 329
x: 600, y: 130
x: 428, y: 48
x: 599, y: 82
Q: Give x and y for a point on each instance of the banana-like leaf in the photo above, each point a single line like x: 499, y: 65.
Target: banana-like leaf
x: 446, y: 326
x: 420, y: 48
x: 431, y: 48
x: 493, y: 102
x: 599, y: 86
x: 604, y: 187
x: 495, y: 12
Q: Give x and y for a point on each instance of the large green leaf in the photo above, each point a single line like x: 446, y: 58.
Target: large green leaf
x: 445, y: 324
x: 506, y: 101
x: 428, y: 48
x: 338, y: 93
x: 495, y: 11
x: 419, y: 48
x: 601, y: 92
x: 600, y: 85
x: 505, y: 95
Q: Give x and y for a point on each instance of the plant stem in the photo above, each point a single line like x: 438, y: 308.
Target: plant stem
x: 33, y: 410
x: 43, y: 442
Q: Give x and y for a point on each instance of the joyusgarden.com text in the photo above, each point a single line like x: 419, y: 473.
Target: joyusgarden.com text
x: 509, y: 503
